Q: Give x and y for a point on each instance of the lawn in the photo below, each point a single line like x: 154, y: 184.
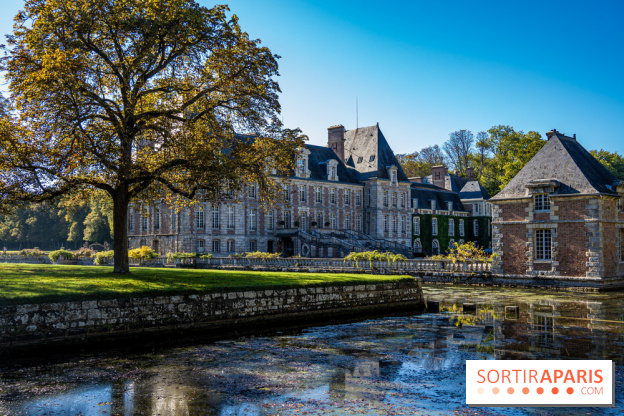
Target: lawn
x: 42, y: 283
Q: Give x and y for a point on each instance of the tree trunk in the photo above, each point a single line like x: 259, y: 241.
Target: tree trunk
x: 120, y: 232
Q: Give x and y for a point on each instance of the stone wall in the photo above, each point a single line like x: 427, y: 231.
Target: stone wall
x: 69, y: 321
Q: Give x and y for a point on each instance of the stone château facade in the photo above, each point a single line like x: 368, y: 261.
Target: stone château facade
x: 561, y: 215
x: 353, y: 190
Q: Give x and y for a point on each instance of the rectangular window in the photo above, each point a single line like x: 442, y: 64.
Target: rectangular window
x: 358, y: 198
x: 156, y: 218
x: 286, y: 190
x: 333, y: 224
x: 394, y: 199
x: 301, y: 166
x: 475, y: 227
x: 461, y: 228
x: 253, y: 246
x: 542, y: 202
x: 251, y: 191
x: 414, y: 202
x: 199, y: 220
x: 347, y: 222
x: 434, y: 226
x: 287, y: 219
x: 317, y: 195
x: 542, y: 244
x: 477, y: 208
x: 201, y: 246
x: 270, y: 220
x: 347, y: 197
x: 174, y: 219
x: 394, y: 177
x: 358, y: 223
x: 319, y: 219
x: 131, y: 220
x: 332, y: 195
x: 449, y: 206
x: 303, y: 221
x: 231, y: 217
x: 302, y: 193
x: 395, y: 226
x: 433, y: 204
x: 368, y: 196
x: 402, y: 199
x: 253, y: 219
x: 216, y: 246
x: 416, y: 225
x: 231, y: 246
x: 385, y: 198
x: 403, y: 225
x: 215, y: 217
x: 143, y: 222
x: 386, y: 226
x: 332, y: 173
x: 451, y: 227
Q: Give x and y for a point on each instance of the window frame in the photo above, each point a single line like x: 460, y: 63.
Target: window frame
x: 543, y: 244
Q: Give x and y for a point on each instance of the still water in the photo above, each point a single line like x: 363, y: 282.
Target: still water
x: 392, y: 365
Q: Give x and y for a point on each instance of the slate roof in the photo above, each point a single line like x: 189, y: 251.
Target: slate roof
x: 473, y: 190
x: 363, y: 143
x: 426, y: 192
x: 563, y: 159
x: 317, y: 163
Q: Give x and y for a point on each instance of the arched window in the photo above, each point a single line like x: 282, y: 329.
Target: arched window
x: 435, y: 248
x: 417, y: 246
x: 231, y: 246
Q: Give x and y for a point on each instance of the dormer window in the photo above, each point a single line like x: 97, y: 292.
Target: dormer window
x: 372, y: 158
x: 302, y: 169
x: 394, y: 177
x: 360, y: 159
x: 332, y: 170
x: 541, y: 202
x: 433, y: 205
x: 300, y: 166
x: 449, y: 206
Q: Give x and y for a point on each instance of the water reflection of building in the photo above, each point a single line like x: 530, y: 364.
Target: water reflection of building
x: 546, y: 326
x: 354, y: 381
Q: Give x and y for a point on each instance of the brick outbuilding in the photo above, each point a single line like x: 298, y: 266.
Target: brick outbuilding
x: 561, y: 216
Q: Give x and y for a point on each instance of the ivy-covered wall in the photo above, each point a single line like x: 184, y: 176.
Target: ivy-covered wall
x: 483, y: 239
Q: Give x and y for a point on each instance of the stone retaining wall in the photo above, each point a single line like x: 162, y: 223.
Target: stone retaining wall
x: 51, y: 322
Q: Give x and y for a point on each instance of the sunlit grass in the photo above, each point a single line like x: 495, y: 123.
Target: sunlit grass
x: 38, y: 283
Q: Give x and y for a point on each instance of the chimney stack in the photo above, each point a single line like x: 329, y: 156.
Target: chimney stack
x: 335, y: 140
x: 470, y: 174
x: 438, y: 175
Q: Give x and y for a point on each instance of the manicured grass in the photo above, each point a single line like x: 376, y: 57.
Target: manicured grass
x: 42, y: 283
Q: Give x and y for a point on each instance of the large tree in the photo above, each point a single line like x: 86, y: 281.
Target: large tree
x: 458, y: 149
x: 142, y: 99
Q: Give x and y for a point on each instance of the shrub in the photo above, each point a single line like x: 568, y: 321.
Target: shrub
x: 374, y: 255
x: 61, y: 254
x: 100, y: 256
x: 144, y: 252
x: 171, y: 257
x: 464, y: 252
x: 262, y: 256
x: 83, y: 252
x: 31, y: 252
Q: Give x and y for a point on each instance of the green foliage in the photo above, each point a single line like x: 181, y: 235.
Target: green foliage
x: 100, y: 256
x: 61, y: 254
x: 612, y: 161
x: 83, y: 252
x: 261, y: 255
x: 465, y: 252
x: 420, y: 163
x: 31, y: 252
x: 374, y: 256
x: 143, y: 252
x: 172, y: 257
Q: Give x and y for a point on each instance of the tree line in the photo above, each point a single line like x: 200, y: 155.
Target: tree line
x: 496, y: 155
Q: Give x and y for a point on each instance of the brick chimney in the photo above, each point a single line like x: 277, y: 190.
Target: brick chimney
x: 336, y: 140
x: 438, y: 175
x: 470, y: 174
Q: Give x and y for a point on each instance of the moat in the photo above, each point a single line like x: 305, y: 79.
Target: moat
x: 393, y: 365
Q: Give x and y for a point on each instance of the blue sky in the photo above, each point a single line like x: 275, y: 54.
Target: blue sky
x: 423, y: 69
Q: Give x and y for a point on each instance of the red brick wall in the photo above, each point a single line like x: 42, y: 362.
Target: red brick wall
x: 514, y: 248
x: 572, y: 245
x: 514, y: 211
x: 571, y: 209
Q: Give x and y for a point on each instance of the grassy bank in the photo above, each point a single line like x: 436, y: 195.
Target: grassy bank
x: 41, y: 283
